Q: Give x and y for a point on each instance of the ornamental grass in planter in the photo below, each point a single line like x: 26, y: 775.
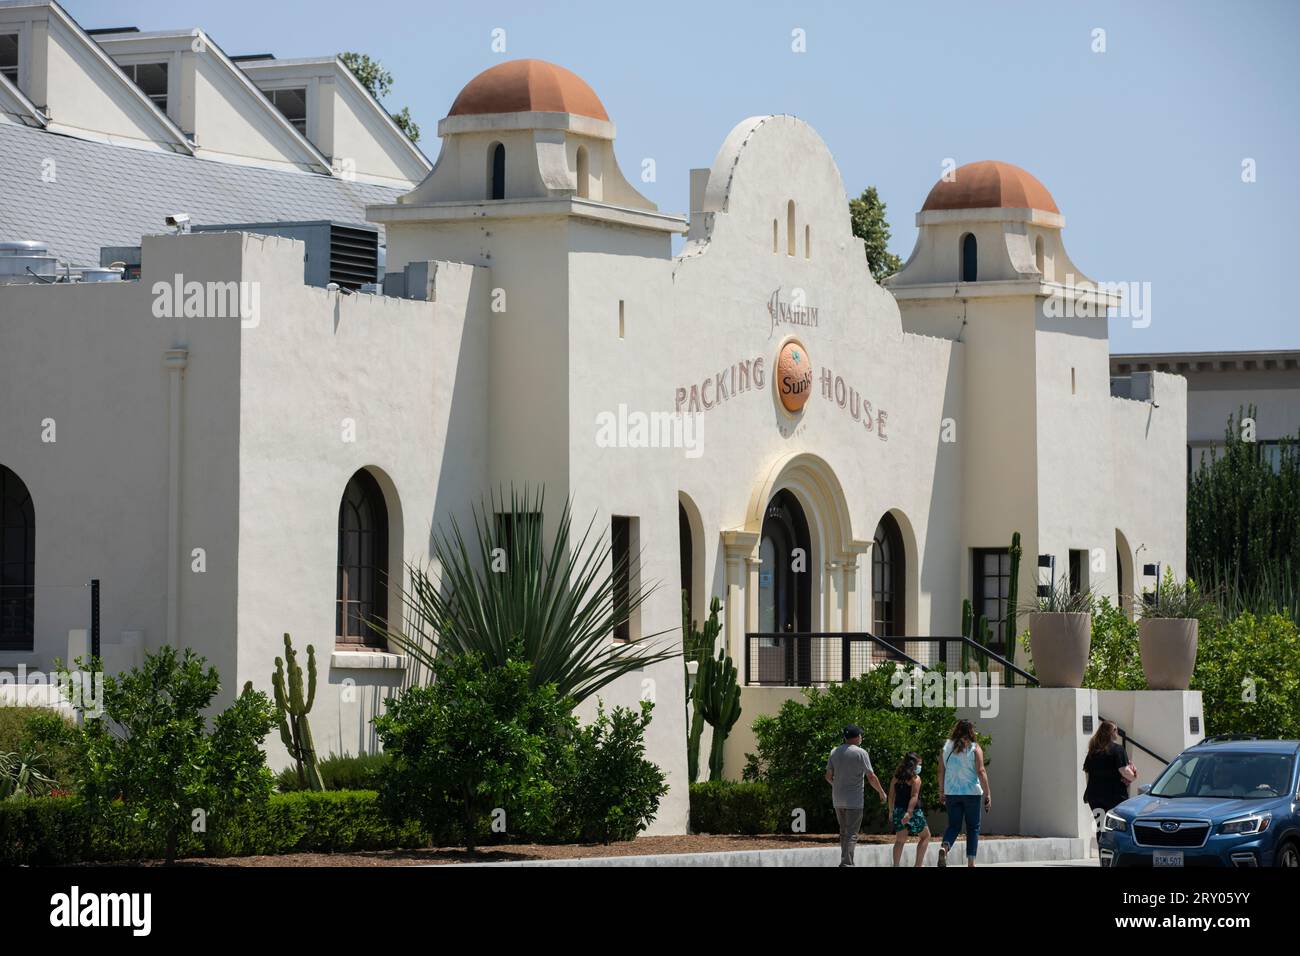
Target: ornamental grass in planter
x: 1168, y: 632
x: 1060, y: 634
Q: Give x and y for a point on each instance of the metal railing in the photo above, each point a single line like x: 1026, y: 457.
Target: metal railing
x: 832, y: 657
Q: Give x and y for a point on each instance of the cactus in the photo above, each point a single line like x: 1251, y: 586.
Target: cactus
x: 292, y: 709
x: 718, y: 695
x: 697, y: 646
x: 1013, y: 596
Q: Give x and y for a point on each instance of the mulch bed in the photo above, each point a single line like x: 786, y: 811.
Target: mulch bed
x: 642, y: 846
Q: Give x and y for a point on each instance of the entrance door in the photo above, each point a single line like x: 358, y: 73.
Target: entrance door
x: 785, y: 583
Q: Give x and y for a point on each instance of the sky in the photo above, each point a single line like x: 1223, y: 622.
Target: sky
x: 1142, y: 144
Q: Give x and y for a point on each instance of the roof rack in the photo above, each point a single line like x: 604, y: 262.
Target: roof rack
x: 1221, y: 738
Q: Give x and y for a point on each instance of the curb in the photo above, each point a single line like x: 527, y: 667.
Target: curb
x: 1029, y: 849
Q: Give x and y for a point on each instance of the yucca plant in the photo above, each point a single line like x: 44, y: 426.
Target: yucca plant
x: 1175, y: 599
x: 1062, y: 599
x: 22, y: 775
x: 558, y: 602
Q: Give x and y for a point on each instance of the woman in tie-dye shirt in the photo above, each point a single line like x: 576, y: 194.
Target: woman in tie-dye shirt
x: 963, y: 789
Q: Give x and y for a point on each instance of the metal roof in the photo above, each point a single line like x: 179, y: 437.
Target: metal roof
x: 97, y: 194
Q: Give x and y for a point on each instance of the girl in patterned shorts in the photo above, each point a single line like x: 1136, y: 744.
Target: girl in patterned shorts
x: 906, y: 811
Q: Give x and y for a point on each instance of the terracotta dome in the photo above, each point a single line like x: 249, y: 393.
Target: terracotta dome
x: 990, y: 184
x: 528, y: 86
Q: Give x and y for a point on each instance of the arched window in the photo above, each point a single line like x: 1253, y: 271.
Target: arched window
x: 888, y: 579
x: 584, y: 173
x: 17, y: 564
x: 789, y: 228
x: 362, y: 590
x: 969, y: 258
x: 1038, y: 256
x: 497, y: 171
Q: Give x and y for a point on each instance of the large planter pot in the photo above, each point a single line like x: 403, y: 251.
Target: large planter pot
x: 1059, y: 644
x: 1168, y: 646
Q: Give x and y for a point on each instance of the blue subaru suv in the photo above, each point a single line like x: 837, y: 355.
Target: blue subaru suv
x: 1227, y: 801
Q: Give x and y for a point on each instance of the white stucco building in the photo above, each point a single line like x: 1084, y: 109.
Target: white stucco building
x: 221, y: 476
x: 1223, y: 387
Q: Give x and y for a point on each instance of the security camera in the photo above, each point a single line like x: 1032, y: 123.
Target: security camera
x: 180, y: 221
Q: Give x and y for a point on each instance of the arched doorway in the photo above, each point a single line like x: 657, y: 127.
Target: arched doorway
x: 17, y: 564
x: 686, y: 544
x: 1123, y: 573
x: 785, y: 584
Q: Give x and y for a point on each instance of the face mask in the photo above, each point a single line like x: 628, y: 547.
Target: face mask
x: 918, y: 768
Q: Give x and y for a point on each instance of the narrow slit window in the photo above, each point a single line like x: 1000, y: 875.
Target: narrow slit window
x: 622, y: 319
x: 789, y: 228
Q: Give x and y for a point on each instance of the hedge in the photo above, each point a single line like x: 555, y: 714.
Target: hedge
x: 724, y: 806
x: 43, y: 831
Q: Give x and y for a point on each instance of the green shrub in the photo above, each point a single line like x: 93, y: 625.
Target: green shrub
x: 1113, y: 660
x: 1248, y: 672
x: 611, y: 791
x: 160, y: 759
x: 52, y: 831
x: 339, y: 772
x: 478, y: 740
x: 725, y: 806
x: 793, y: 746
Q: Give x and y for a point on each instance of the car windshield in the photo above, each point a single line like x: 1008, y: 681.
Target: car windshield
x: 1231, y: 774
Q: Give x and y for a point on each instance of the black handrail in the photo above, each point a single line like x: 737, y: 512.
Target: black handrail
x: 1129, y: 740
x: 848, y: 637
x: 893, y: 645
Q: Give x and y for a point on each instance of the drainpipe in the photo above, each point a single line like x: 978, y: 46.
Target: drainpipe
x: 175, y: 361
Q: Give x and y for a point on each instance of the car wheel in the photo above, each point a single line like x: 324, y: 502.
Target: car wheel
x: 1289, y: 855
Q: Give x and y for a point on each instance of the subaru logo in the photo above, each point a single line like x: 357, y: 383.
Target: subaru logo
x: 1170, y: 826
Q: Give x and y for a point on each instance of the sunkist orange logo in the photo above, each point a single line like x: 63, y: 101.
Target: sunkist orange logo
x: 793, y: 376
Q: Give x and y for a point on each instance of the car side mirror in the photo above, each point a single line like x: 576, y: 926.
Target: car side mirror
x: 1145, y: 788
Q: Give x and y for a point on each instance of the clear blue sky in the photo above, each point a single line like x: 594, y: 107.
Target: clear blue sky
x: 1141, y: 145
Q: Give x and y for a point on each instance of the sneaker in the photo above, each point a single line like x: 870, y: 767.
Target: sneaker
x: 943, y: 856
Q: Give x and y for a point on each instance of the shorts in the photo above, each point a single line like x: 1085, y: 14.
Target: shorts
x: 915, y: 825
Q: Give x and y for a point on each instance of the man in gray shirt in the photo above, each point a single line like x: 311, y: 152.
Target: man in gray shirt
x: 846, y: 769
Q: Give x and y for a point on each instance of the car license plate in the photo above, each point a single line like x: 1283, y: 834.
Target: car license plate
x: 1168, y: 858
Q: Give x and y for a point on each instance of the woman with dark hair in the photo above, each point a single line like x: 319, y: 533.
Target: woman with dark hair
x: 963, y: 789
x: 1108, y: 770
x: 906, y: 810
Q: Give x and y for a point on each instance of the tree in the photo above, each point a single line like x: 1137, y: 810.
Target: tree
x: 1243, y: 521
x: 379, y: 82
x: 867, y: 218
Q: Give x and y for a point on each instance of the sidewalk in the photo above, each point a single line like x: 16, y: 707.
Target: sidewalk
x: 1030, y: 850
